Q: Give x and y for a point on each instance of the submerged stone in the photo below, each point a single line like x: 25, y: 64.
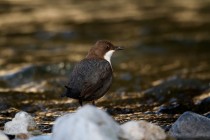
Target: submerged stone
x: 175, y: 87
x: 175, y: 108
x: 204, y: 105
x: 18, y: 76
x: 117, y: 110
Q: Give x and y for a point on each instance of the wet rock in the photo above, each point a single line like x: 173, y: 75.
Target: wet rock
x: 142, y: 130
x: 114, y: 111
x: 43, y: 137
x: 88, y: 123
x: 18, y: 76
x: 3, y: 136
x: 181, y: 89
x: 191, y: 125
x: 22, y: 123
x: 46, y: 128
x: 204, y: 105
x: 3, y: 105
x: 175, y: 108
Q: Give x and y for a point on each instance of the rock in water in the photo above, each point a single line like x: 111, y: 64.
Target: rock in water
x: 191, y: 126
x: 204, y: 105
x: 3, y: 136
x: 142, y: 130
x: 175, y: 87
x: 88, y: 123
x: 22, y: 123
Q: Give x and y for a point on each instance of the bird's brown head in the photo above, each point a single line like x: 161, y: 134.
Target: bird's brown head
x: 103, y: 49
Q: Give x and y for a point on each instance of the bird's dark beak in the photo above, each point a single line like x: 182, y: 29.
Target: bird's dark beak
x: 117, y: 48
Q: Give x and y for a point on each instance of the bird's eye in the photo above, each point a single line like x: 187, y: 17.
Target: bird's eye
x: 107, y: 47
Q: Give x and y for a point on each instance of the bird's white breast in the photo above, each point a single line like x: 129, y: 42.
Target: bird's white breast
x: 108, y: 56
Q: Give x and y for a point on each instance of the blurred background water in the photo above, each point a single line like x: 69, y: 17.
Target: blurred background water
x: 40, y: 41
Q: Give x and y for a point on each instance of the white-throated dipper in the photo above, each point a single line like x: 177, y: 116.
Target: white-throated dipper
x: 91, y: 78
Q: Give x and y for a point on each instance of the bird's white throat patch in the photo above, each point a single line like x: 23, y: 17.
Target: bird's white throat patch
x: 108, y: 55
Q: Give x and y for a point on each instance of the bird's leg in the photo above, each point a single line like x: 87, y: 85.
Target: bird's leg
x: 93, y: 103
x: 80, y: 102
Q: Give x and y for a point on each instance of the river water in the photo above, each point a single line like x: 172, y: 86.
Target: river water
x: 163, y: 71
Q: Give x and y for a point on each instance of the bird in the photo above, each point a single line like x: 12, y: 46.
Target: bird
x: 92, y: 77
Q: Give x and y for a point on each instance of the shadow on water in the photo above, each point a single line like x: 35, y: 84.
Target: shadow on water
x: 163, y: 71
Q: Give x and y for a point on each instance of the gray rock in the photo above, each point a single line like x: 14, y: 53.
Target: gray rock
x: 191, y: 125
x: 22, y: 123
x: 18, y: 76
x: 3, y: 136
x: 142, y: 130
x: 88, y: 123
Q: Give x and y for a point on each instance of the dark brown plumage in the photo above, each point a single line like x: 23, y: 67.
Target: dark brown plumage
x: 91, y: 78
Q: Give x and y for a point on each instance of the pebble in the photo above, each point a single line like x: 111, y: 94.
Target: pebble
x: 22, y: 123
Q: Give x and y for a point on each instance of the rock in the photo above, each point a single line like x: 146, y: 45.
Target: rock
x: 42, y: 137
x: 182, y: 89
x: 3, y: 105
x: 3, y: 136
x: 22, y: 123
x: 117, y: 110
x: 88, y: 123
x: 142, y: 130
x: 18, y: 76
x: 204, y: 105
x: 175, y: 108
x: 191, y: 125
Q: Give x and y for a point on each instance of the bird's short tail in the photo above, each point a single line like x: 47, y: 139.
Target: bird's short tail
x: 63, y: 95
x: 66, y: 92
x: 71, y: 92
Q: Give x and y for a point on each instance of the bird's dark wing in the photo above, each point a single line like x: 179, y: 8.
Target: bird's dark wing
x: 87, y: 76
x: 98, y: 71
